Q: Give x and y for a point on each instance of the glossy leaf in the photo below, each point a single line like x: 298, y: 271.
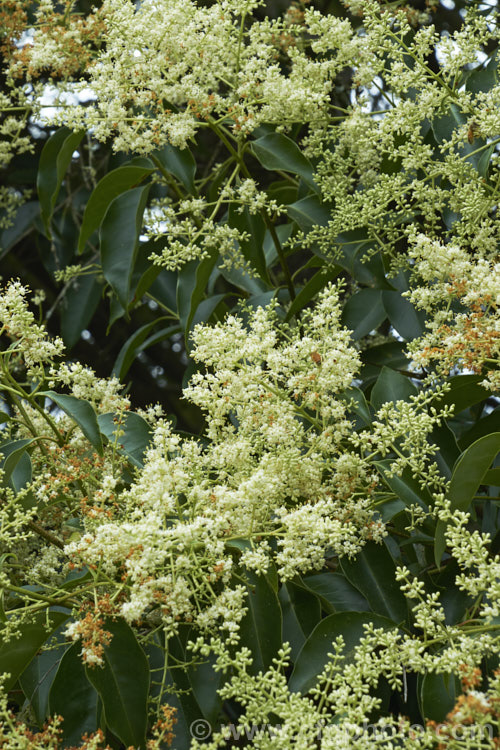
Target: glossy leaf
x: 78, y: 306
x: 205, y: 682
x: 465, y: 391
x: 364, y: 312
x: 311, y: 289
x: 80, y: 412
x: 38, y: 677
x: 132, y: 346
x: 314, y: 654
x: 467, y: 477
x: 251, y: 248
x: 391, y: 386
x: 73, y: 697
x: 136, y: 437
x: 11, y: 455
x: 16, y: 654
x: 372, y: 572
x: 337, y: 594
x: 301, y: 613
x: 437, y: 695
x: 405, y: 318
x: 120, y: 232
x: 261, y: 625
x: 191, y: 286
x: 54, y: 161
x: 123, y: 684
x: 112, y: 185
x: 180, y: 163
x: 309, y: 212
x: 277, y: 152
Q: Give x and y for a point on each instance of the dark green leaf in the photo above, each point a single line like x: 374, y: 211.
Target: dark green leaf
x: 80, y: 412
x: 336, y: 592
x: 309, y: 212
x: 78, y: 306
x: 311, y: 289
x: 180, y: 163
x: 38, y: 677
x: 301, y: 613
x: 205, y: 682
x: 191, y: 286
x: 391, y: 386
x: 437, y: 695
x: 110, y: 187
x: 120, y: 232
x: 252, y: 248
x: 12, y: 453
x: 74, y: 698
x: 16, y: 654
x: 277, y: 152
x: 123, y: 684
x: 373, y: 573
x: 406, y: 320
x: 260, y: 628
x: 136, y: 437
x: 364, y: 312
x: 22, y: 224
x: 54, y: 161
x: 314, y: 654
x: 132, y: 346
x: 464, y: 391
x: 467, y: 476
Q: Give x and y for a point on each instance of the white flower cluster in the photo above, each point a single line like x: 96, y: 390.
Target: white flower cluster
x: 466, y: 335
x: 281, y: 462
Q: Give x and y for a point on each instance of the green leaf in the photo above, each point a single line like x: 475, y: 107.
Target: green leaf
x: 205, y: 682
x: 136, y: 437
x: 78, y: 306
x: 468, y: 475
x: 277, y: 152
x: 191, y: 285
x: 16, y: 654
x: 357, y: 402
x: 12, y: 453
x: 253, y: 247
x: 444, y: 127
x: 120, y: 232
x: 301, y: 613
x: 405, y: 318
x: 38, y: 677
x: 81, y: 412
x: 132, y: 346
x: 314, y: 654
x: 483, y: 426
x: 110, y: 187
x: 54, y: 161
x: 309, y: 212
x: 464, y: 391
x: 180, y: 163
x: 363, y: 312
x: 260, y: 628
x: 74, y: 698
x: 391, y: 386
x: 336, y: 592
x: 311, y: 289
x: 123, y: 684
x: 373, y: 573
x: 22, y: 224
x: 437, y: 695
x: 405, y: 486
x: 485, y: 77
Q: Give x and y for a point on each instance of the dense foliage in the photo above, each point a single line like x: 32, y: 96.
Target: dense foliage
x: 249, y: 341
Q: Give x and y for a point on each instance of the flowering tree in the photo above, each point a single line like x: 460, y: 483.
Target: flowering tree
x: 301, y: 202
